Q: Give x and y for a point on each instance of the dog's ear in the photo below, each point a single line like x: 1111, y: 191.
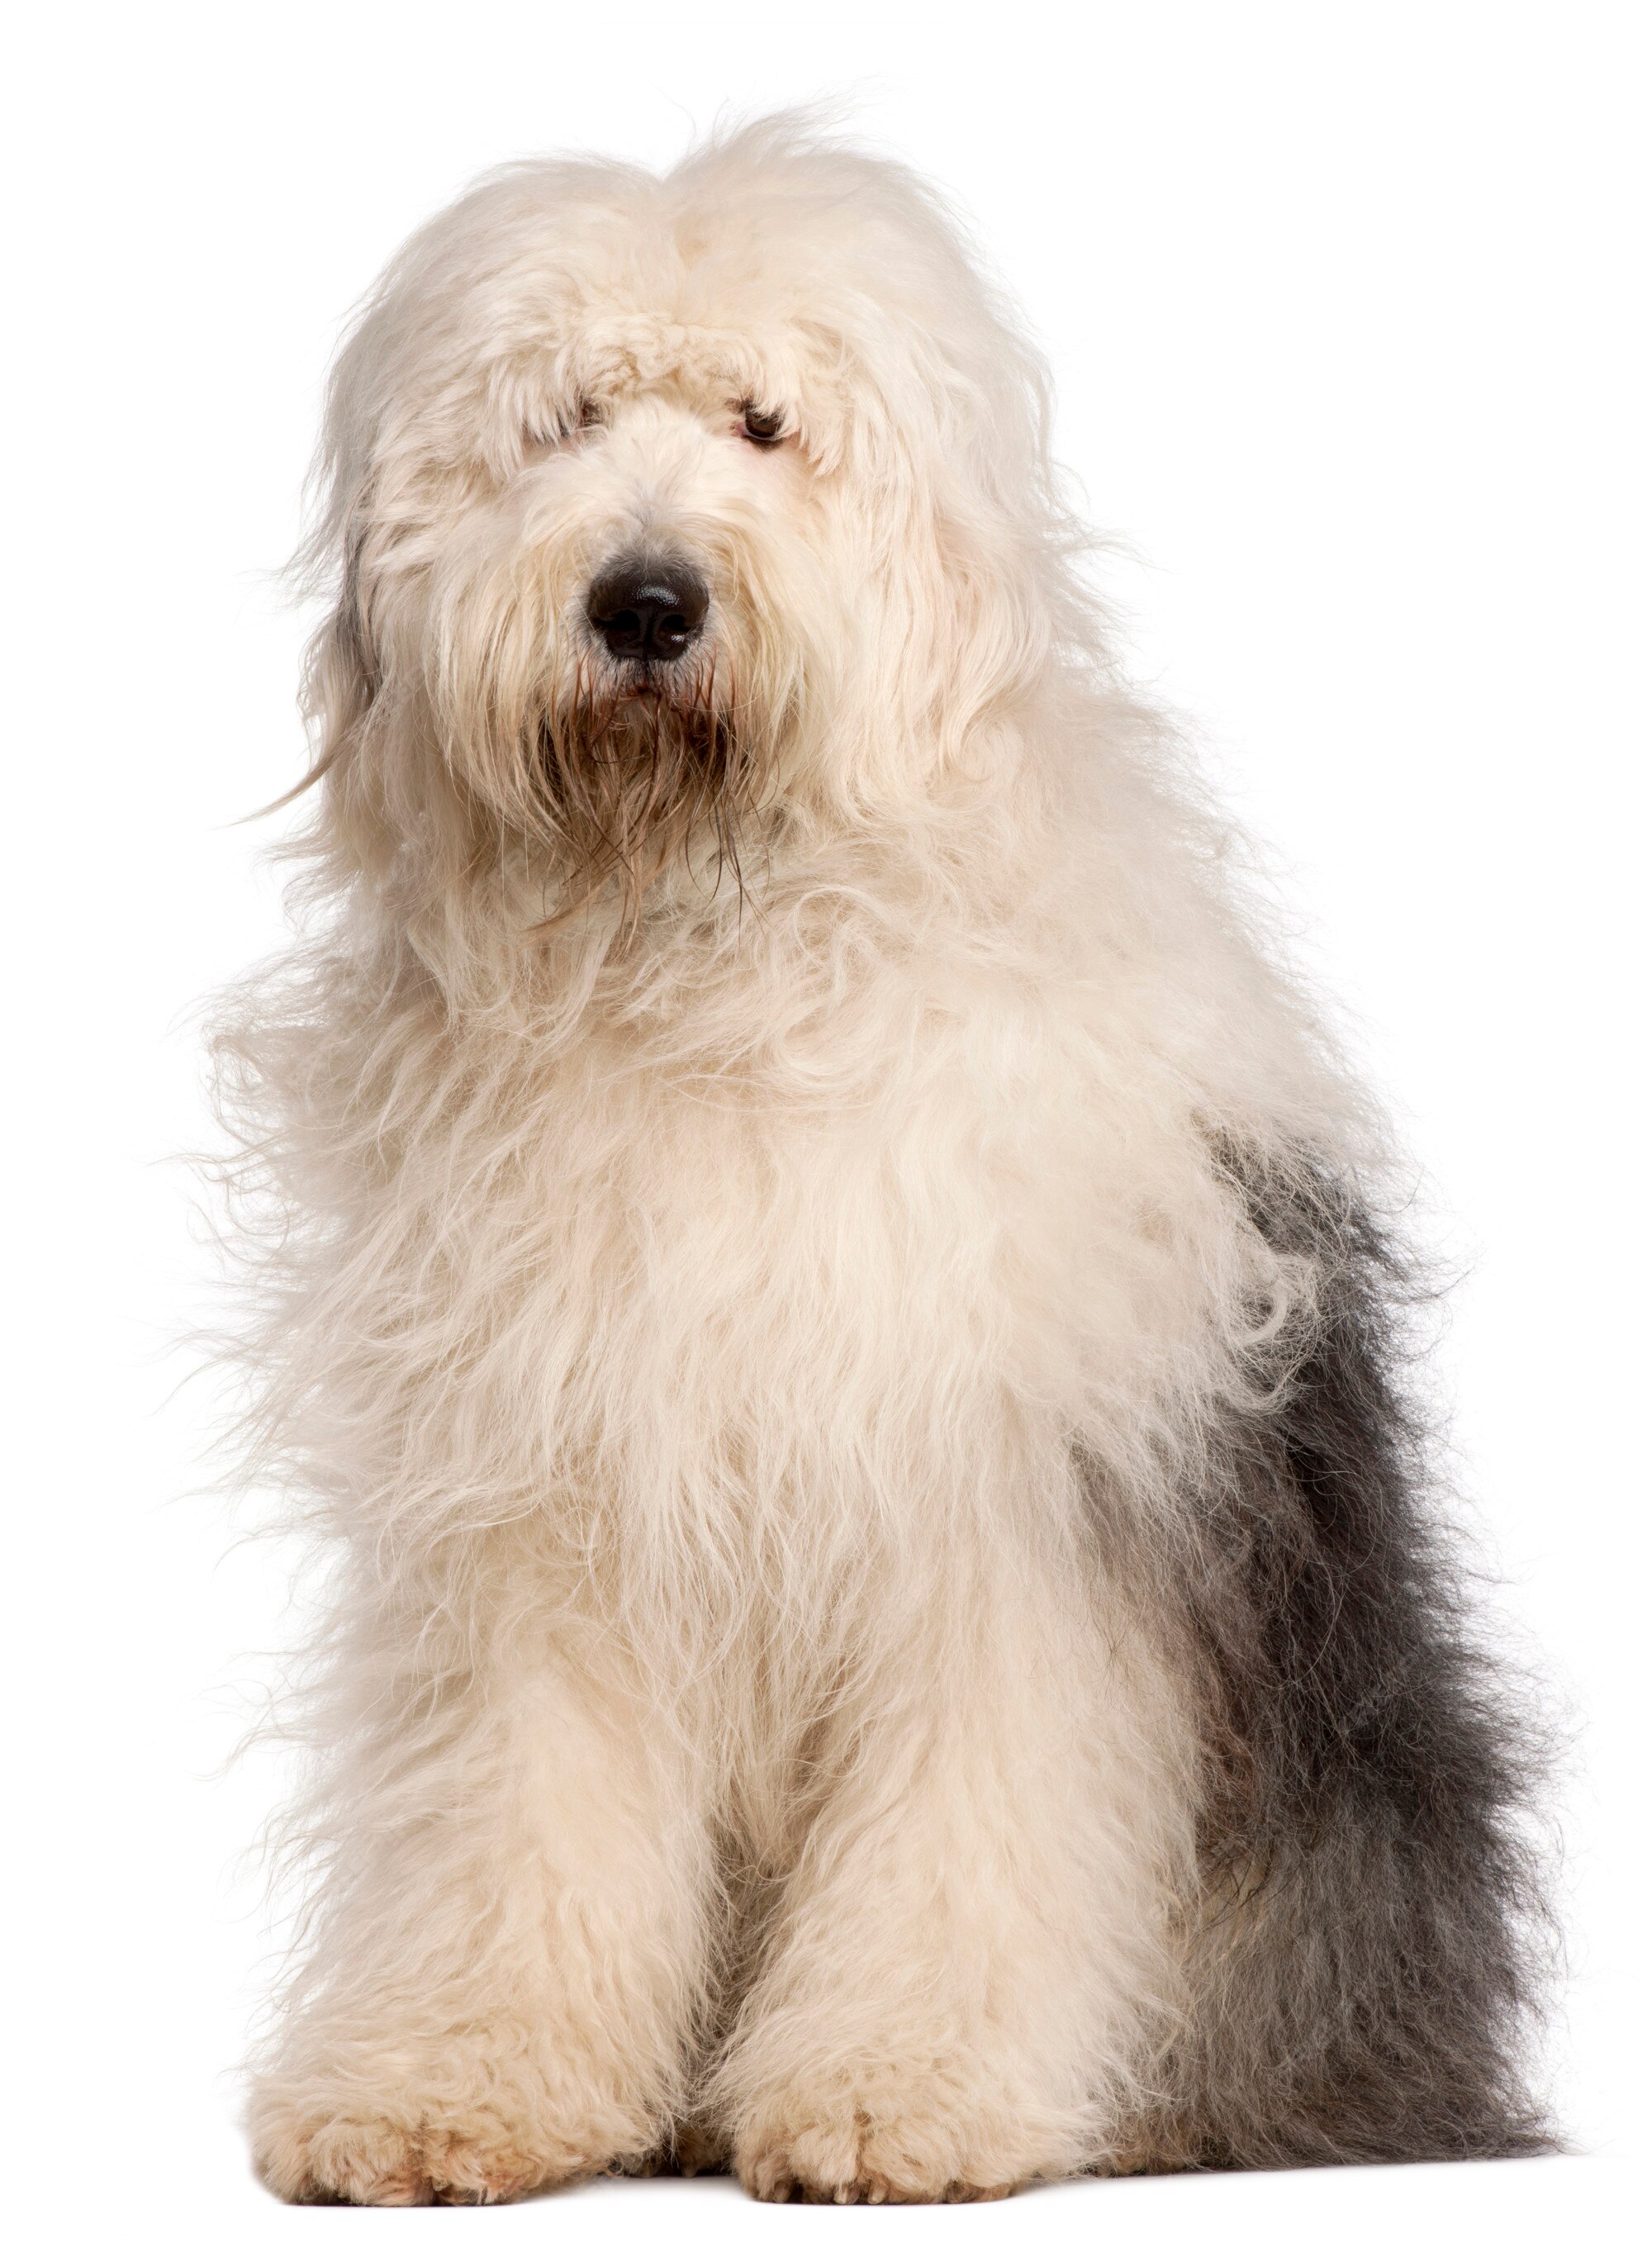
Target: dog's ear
x: 350, y: 626
x: 342, y: 670
x: 344, y: 674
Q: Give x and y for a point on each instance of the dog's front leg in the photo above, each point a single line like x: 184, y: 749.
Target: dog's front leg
x: 510, y: 1951
x: 971, y: 1963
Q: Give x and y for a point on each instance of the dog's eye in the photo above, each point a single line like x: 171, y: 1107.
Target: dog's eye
x: 545, y: 436
x: 761, y: 428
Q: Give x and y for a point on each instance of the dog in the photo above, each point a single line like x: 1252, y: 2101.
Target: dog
x: 833, y: 1306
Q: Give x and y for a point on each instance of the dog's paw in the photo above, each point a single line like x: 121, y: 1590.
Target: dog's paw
x: 379, y: 2164
x: 923, y: 2145
x: 313, y: 2153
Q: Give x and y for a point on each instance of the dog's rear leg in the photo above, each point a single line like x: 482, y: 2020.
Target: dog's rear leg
x: 511, y: 1949
x: 972, y: 1961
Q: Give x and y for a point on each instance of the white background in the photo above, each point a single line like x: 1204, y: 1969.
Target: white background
x: 1347, y: 305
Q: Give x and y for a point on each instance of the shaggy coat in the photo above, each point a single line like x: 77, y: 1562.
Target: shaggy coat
x: 825, y: 1294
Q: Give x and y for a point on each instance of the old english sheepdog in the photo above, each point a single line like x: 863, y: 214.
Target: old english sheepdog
x: 833, y: 1306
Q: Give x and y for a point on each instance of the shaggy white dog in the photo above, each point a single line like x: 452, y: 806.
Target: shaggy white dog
x: 824, y: 1286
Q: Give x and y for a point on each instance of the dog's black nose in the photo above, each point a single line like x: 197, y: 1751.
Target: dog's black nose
x: 648, y: 610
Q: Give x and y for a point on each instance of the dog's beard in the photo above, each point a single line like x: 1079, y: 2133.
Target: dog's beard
x: 637, y: 773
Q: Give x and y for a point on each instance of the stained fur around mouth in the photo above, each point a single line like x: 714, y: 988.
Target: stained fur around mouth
x: 636, y: 767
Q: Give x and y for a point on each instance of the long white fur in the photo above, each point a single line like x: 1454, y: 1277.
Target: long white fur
x: 683, y: 1320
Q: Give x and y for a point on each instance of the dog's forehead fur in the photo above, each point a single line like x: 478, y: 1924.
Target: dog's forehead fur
x: 810, y: 278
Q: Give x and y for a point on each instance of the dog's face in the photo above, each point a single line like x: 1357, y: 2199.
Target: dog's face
x: 666, y: 502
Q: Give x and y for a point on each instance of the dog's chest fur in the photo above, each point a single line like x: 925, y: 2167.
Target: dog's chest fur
x: 745, y: 1312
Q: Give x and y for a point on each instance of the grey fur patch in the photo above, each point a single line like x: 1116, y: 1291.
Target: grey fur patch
x: 1365, y: 1962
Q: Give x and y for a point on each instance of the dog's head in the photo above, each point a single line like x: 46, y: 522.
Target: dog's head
x: 659, y: 510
